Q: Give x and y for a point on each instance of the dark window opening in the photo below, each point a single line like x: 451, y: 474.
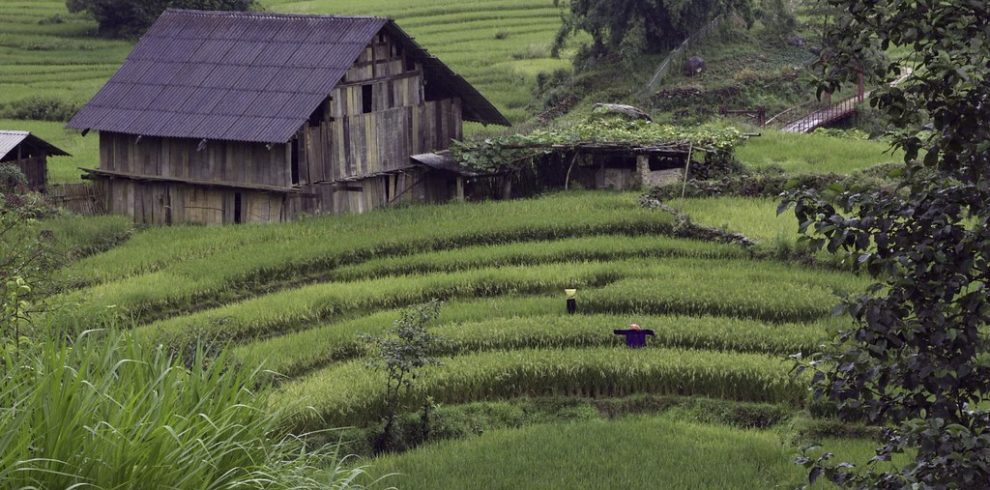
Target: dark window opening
x: 388, y: 189
x: 410, y: 63
x: 317, y: 117
x: 367, y: 98
x: 398, y: 50
x: 294, y: 161
x: 666, y: 161
x: 237, y: 208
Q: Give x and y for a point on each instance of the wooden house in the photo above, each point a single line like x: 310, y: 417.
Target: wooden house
x: 30, y: 154
x: 230, y: 117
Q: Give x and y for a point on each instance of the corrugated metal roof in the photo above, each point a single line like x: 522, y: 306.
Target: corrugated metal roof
x: 9, y: 140
x: 245, y: 76
x: 444, y: 161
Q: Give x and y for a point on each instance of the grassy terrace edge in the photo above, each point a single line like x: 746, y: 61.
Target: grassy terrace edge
x: 351, y: 393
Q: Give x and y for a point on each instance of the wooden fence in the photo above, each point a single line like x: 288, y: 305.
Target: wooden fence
x: 83, y: 198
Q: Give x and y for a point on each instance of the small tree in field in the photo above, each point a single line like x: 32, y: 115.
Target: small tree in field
x: 402, y: 353
x: 26, y: 257
x: 917, y: 361
x: 130, y: 18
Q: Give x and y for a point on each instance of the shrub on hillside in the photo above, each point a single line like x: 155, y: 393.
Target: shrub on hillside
x: 40, y: 108
x: 130, y: 18
x: 771, y: 182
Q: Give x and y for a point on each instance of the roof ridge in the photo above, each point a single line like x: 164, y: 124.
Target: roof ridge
x: 14, y: 131
x: 264, y: 14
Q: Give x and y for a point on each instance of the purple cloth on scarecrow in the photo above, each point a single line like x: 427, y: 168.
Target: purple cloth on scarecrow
x: 635, y: 338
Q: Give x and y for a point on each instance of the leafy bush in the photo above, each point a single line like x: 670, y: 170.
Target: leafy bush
x: 772, y: 182
x: 108, y: 412
x: 130, y: 18
x: 40, y: 108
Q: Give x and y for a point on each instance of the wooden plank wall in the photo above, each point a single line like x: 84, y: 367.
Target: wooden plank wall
x: 352, y: 149
x: 35, y: 168
x: 410, y: 186
x: 86, y: 198
x: 368, y: 144
x: 164, y: 203
x: 249, y: 163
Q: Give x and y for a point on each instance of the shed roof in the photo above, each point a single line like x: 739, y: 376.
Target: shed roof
x: 246, y: 76
x: 9, y: 140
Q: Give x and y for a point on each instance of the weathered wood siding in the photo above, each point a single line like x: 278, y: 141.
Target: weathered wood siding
x: 351, y: 156
x: 355, y: 157
x: 409, y: 186
x: 164, y: 203
x: 235, y: 162
x: 35, y: 168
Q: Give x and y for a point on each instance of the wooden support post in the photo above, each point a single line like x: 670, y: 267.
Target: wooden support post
x: 506, y: 191
x: 643, y: 169
x: 459, y: 197
x: 567, y: 178
x: 687, y: 170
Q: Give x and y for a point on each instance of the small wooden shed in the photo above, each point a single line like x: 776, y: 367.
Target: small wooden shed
x: 30, y: 154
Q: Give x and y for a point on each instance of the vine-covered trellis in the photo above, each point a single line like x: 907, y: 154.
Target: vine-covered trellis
x: 603, y: 131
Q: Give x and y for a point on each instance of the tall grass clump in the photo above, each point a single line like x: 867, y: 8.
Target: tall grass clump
x: 107, y: 412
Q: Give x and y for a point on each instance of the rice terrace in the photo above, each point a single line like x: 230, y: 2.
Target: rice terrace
x: 502, y: 244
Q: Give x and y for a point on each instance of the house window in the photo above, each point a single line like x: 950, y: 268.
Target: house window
x: 367, y: 98
x: 237, y: 208
x: 294, y: 161
x: 319, y: 114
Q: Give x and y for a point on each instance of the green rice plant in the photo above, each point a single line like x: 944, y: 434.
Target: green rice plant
x: 762, y: 300
x: 187, y: 267
x: 740, y: 288
x: 80, y: 236
x: 280, y: 311
x: 810, y: 153
x: 483, y: 328
x: 756, y: 218
x: 351, y: 394
x: 107, y: 412
x: 296, y: 352
x: 595, y: 248
x: 633, y: 453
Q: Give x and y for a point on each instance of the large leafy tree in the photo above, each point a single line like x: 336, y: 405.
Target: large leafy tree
x: 917, y: 361
x: 618, y: 26
x: 129, y: 18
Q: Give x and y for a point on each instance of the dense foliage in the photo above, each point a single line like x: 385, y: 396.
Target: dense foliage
x: 27, y: 255
x: 918, y: 360
x: 129, y: 18
x: 601, y: 128
x: 633, y: 27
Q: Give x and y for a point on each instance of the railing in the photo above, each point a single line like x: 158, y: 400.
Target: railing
x: 826, y: 115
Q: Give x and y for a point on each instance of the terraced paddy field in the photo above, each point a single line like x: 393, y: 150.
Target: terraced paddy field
x: 520, y: 385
